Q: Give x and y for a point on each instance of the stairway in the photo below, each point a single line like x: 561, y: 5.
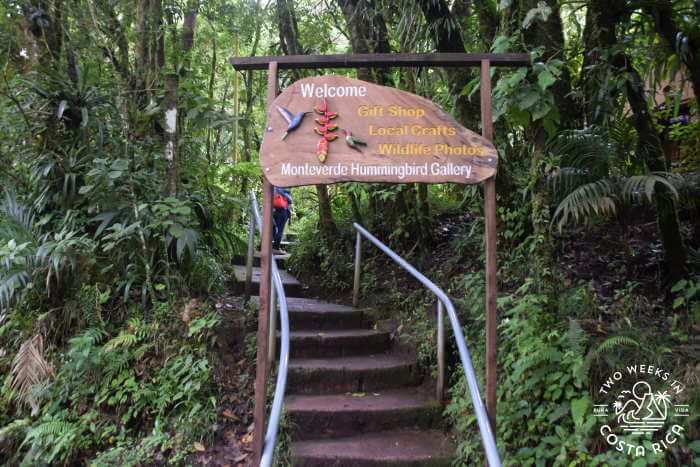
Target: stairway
x: 354, y: 399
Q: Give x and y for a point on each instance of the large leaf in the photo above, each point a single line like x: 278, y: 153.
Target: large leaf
x: 545, y: 79
x: 105, y: 219
x: 644, y: 186
x: 188, y: 239
x: 579, y: 408
x: 597, y: 198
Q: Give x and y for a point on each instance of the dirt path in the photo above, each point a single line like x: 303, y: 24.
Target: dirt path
x: 234, y: 374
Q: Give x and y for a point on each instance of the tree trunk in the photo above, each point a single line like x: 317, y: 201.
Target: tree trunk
x: 158, y: 36
x: 210, y: 154
x: 172, y: 83
x: 288, y: 29
x: 355, y: 206
x: 119, y: 56
x: 171, y: 152
x: 327, y: 226
x: 419, y: 204
x: 661, y: 12
x: 423, y: 202
x: 249, y: 100
x: 599, y: 34
x: 447, y: 36
x: 549, y: 35
x: 540, y: 216
x: 143, y: 47
x: 357, y: 29
x: 188, y: 29
x: 487, y: 12
x: 649, y: 148
x: 247, y: 124
x: 368, y: 34
x: 44, y: 22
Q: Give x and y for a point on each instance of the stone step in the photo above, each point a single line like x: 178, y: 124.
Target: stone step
x: 409, y: 448
x: 337, y: 343
x: 309, y: 314
x: 317, y: 315
x: 280, y: 258
x: 339, y: 415
x: 351, y: 374
x: 292, y: 286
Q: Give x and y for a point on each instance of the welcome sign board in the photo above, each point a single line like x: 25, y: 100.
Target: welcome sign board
x: 333, y: 129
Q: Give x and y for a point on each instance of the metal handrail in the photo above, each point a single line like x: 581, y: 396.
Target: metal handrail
x: 278, y: 291
x: 482, y: 419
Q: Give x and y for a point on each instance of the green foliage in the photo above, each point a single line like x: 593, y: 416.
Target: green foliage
x: 524, y: 96
x: 687, y: 294
x: 206, y: 274
x: 44, y: 259
x: 141, y: 380
x: 589, y: 183
x: 327, y: 262
x: 544, y: 404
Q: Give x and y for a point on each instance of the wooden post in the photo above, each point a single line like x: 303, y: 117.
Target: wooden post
x: 264, y: 295
x: 490, y: 236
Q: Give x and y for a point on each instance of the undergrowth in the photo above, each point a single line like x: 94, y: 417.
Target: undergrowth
x: 122, y: 394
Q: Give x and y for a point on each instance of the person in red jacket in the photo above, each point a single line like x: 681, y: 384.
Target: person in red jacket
x: 281, y: 212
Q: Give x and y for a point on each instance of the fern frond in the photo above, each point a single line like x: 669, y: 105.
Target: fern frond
x: 29, y: 368
x: 611, y: 343
x: 8, y: 289
x: 585, y: 149
x: 14, y: 428
x: 643, y: 186
x: 597, y: 198
x: 21, y: 217
x: 576, y: 336
x: 689, y: 184
x: 91, y: 336
x: 531, y: 360
x: 51, y: 428
x: 566, y: 179
x: 621, y: 133
x: 122, y: 340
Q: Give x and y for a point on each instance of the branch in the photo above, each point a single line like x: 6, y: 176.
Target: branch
x: 17, y: 103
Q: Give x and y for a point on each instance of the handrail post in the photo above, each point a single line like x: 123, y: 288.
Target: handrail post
x: 261, y: 368
x: 440, y: 393
x: 358, y: 260
x: 272, y: 338
x: 249, y: 256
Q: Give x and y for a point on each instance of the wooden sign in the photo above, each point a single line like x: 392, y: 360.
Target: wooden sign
x: 331, y: 129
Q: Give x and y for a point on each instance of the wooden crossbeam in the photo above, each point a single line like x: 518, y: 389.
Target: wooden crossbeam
x: 380, y: 60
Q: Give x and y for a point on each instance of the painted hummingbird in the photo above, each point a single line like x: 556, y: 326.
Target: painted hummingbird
x: 352, y: 141
x: 293, y: 121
